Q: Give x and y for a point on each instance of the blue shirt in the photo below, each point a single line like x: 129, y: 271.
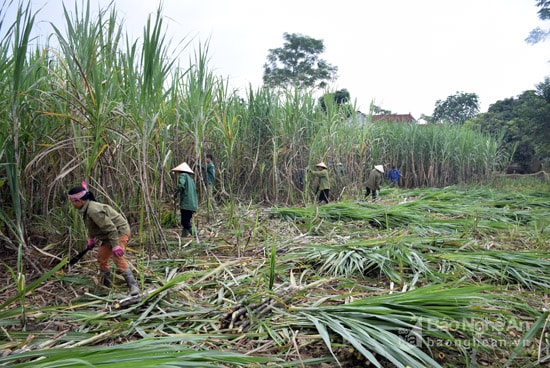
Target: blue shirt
x: 394, y: 175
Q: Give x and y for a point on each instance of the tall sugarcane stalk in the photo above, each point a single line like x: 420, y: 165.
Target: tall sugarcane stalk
x: 114, y: 107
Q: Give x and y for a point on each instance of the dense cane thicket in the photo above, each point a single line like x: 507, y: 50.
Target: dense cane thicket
x: 95, y: 105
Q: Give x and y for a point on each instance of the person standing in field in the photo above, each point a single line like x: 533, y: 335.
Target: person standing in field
x: 108, y: 229
x: 210, y: 172
x: 393, y: 175
x: 323, y: 186
x: 374, y: 180
x: 210, y: 178
x: 187, y: 192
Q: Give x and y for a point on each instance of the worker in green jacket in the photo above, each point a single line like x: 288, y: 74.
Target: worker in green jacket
x: 210, y: 179
x: 187, y: 192
x: 374, y: 180
x: 108, y: 229
x: 323, y: 187
x: 210, y: 173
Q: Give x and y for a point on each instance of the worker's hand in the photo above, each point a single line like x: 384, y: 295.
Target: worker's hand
x: 117, y: 251
x: 91, y: 244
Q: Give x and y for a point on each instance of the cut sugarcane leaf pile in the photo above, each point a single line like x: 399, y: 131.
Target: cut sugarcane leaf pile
x: 446, y: 276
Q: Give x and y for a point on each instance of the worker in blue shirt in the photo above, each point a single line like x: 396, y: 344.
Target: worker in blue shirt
x: 393, y: 175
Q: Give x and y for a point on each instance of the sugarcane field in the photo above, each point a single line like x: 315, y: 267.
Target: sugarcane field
x: 152, y: 217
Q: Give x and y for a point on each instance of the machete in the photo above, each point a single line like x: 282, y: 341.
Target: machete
x: 76, y: 258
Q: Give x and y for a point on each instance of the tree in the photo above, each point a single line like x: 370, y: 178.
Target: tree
x: 523, y: 122
x: 340, y: 97
x: 538, y: 34
x: 377, y: 110
x: 297, y: 64
x: 543, y: 89
x: 457, y: 108
x: 539, y: 116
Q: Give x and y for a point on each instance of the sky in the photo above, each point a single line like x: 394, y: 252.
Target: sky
x: 401, y: 55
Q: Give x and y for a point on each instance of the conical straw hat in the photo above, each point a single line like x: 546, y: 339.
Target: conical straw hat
x: 321, y: 164
x: 379, y: 168
x: 183, y: 167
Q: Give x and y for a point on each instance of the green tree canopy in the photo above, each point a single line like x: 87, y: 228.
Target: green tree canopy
x: 457, y: 108
x: 340, y: 97
x: 377, y: 110
x: 538, y: 34
x: 298, y: 64
x: 524, y: 122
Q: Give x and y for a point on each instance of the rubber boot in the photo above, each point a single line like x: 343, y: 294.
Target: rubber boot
x: 105, y: 278
x: 184, y: 232
x: 132, y: 283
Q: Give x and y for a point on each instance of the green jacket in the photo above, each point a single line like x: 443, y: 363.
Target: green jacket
x: 374, y: 180
x: 210, y: 173
x: 103, y: 222
x: 188, y: 193
x: 324, y: 182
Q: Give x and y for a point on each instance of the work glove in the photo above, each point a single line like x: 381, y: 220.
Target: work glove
x: 117, y: 251
x: 91, y: 244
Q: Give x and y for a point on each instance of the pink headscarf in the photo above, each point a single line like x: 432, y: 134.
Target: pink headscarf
x: 76, y: 196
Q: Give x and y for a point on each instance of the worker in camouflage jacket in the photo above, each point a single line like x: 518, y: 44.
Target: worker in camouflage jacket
x: 108, y: 229
x: 323, y: 186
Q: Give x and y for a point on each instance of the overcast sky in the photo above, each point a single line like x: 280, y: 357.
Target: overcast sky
x: 402, y: 54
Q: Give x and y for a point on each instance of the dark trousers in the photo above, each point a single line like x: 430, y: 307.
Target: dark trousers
x: 369, y: 191
x: 323, y: 195
x: 186, y: 216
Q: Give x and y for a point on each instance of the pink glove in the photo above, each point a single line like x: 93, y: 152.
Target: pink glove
x: 117, y: 251
x: 91, y: 244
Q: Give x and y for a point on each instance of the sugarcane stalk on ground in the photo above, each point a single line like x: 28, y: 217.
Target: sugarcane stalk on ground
x: 240, y: 316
